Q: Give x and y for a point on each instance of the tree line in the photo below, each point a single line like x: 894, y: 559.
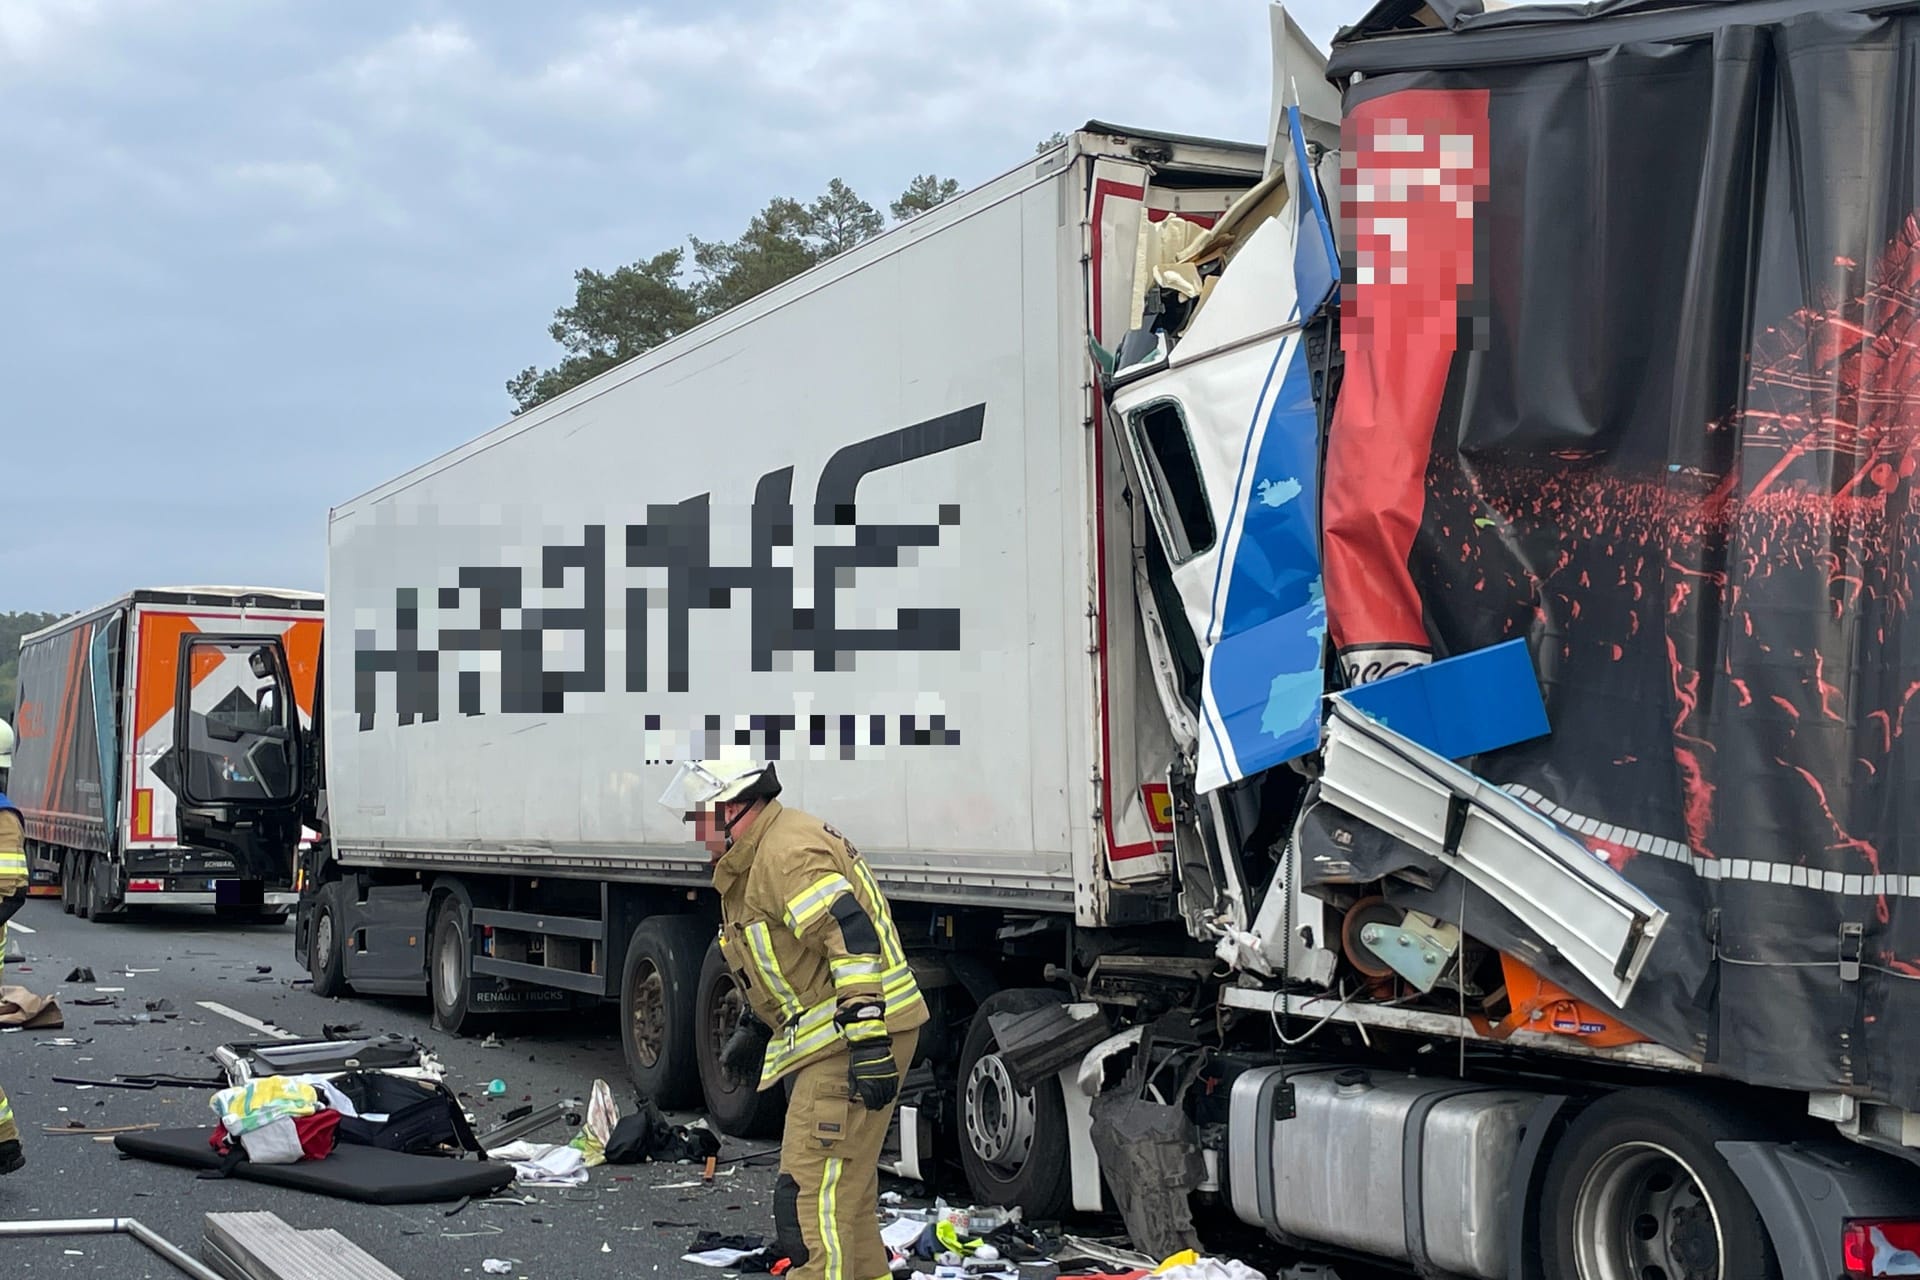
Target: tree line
x: 619, y: 314
x: 13, y: 626
x: 616, y: 315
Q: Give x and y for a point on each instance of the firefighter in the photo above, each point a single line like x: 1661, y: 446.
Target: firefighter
x: 13, y: 893
x: 813, y: 949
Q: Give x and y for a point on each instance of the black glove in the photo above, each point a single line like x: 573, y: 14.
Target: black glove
x: 746, y: 1047
x: 872, y: 1076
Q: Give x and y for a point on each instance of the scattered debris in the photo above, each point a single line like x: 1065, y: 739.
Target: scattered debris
x: 162, y: 1005
x: 258, y: 1244
x: 21, y: 1008
x: 74, y: 1126
x: 549, y: 1165
x: 142, y: 1082
x: 96, y: 1001
x: 497, y: 1267
x: 528, y: 1121
x: 338, y: 1030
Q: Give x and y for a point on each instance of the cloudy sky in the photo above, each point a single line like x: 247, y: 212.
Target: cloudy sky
x: 259, y: 256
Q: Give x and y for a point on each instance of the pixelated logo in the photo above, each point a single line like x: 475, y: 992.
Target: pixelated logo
x: 676, y: 539
x: 1413, y: 169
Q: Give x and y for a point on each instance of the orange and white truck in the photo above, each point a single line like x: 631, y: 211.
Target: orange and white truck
x: 93, y: 768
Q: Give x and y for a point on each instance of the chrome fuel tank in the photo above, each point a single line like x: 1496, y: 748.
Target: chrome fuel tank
x: 1392, y: 1165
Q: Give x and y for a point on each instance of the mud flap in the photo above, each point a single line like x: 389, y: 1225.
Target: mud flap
x: 1150, y: 1154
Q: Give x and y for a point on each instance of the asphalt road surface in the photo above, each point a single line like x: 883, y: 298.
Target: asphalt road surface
x: 211, y: 973
x: 228, y: 982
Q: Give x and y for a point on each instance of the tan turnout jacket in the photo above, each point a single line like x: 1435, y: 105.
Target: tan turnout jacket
x: 804, y: 929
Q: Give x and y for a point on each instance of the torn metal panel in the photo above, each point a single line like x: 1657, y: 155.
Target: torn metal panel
x: 1299, y: 80
x: 1224, y: 447
x: 1040, y: 1042
x: 1587, y: 913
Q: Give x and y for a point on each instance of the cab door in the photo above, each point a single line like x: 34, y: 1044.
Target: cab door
x: 239, y: 761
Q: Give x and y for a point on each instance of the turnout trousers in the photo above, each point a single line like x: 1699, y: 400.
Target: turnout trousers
x: 826, y: 1202
x: 8, y: 1131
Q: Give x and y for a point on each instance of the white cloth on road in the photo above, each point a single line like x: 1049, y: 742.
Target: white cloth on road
x: 901, y: 1232
x: 1210, y: 1269
x: 718, y: 1257
x: 543, y: 1165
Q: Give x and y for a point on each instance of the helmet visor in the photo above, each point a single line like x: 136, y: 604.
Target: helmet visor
x: 694, y: 787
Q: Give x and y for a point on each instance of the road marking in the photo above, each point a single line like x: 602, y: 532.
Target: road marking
x: 214, y: 1006
x: 20, y: 928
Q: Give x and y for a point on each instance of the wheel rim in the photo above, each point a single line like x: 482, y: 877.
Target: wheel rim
x: 649, y: 1016
x: 1642, y: 1214
x: 323, y: 940
x: 999, y: 1119
x: 725, y: 1016
x: 446, y: 970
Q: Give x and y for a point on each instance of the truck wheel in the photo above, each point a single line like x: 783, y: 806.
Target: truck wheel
x: 69, y: 890
x: 82, y: 889
x: 1013, y: 1146
x: 326, y: 953
x: 1636, y: 1189
x: 737, y: 1107
x: 101, y: 878
x: 657, y: 1022
x: 450, y: 969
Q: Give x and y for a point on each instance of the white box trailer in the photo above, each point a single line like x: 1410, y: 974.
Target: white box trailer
x: 850, y: 527
x: 865, y: 526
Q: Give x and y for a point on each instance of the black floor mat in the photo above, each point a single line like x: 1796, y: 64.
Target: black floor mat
x: 367, y: 1174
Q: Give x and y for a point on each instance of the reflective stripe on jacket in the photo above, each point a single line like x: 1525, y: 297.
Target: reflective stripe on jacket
x: 805, y: 929
x: 13, y: 847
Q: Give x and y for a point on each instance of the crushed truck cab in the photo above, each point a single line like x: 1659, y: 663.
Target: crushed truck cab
x: 1370, y: 667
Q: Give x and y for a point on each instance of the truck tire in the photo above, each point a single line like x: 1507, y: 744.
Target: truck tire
x: 1013, y: 1146
x: 101, y: 879
x: 736, y: 1107
x: 450, y: 967
x: 657, y: 1023
x: 69, y: 885
x: 326, y: 951
x: 1635, y: 1188
x: 82, y: 891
